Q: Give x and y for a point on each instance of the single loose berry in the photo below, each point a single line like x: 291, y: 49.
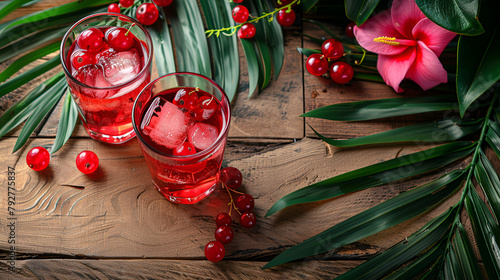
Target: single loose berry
x: 248, y: 219
x: 114, y: 8
x: 185, y: 149
x: 163, y: 3
x: 349, y: 29
x: 240, y: 14
x: 286, y: 17
x: 244, y: 203
x: 224, y: 234
x: 341, y: 72
x: 237, y: 1
x: 317, y: 64
x: 223, y: 219
x: 120, y: 38
x: 205, y: 108
x: 231, y: 177
x: 82, y: 58
x: 38, y: 158
x: 126, y: 3
x: 247, y: 31
x: 87, y: 162
x: 91, y: 39
x: 214, y: 251
x: 147, y: 13
x: 332, y: 49
x: 185, y: 100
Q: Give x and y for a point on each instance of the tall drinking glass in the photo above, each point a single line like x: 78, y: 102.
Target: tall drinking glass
x: 181, y: 121
x: 105, y: 77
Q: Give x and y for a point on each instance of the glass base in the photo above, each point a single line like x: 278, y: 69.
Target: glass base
x: 186, y: 196
x: 111, y: 139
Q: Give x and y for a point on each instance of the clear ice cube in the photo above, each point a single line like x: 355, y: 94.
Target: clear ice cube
x: 121, y: 67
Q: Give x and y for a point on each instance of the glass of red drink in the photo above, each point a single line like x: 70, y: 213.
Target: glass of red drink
x: 181, y: 121
x: 107, y: 61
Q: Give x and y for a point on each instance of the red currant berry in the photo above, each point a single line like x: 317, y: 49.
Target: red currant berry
x: 147, y: 13
x: 214, y: 251
x: 114, y: 8
x: 186, y: 100
x: 244, y: 203
x: 248, y: 219
x: 38, y: 158
x: 82, y: 58
x: 332, y: 49
x: 240, y: 14
x: 185, y: 149
x: 317, y: 64
x: 87, y: 162
x: 223, y: 219
x: 224, y: 234
x: 341, y: 72
x: 349, y: 29
x: 120, y: 38
x: 205, y: 108
x: 126, y: 3
x: 163, y: 3
x: 237, y: 1
x: 247, y: 31
x: 285, y: 17
x: 91, y: 39
x: 231, y: 177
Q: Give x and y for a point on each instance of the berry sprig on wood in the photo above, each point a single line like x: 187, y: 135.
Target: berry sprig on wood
x: 230, y: 178
x: 246, y: 30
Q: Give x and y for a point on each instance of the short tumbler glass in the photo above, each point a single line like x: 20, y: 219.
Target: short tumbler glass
x: 106, y: 90
x: 184, y: 179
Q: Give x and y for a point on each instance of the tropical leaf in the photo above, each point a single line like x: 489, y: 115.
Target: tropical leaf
x: 162, y: 45
x: 383, y: 216
x: 67, y: 123
x: 308, y: 4
x: 39, y: 112
x: 383, y: 108
x: 359, y: 10
x: 10, y: 6
x: 376, y: 175
x: 463, y: 260
x: 439, y: 131
x: 478, y: 58
x: 260, y: 45
x: 454, y: 15
x: 252, y: 66
x: 274, y: 38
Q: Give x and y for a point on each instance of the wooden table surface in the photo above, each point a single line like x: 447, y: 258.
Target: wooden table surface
x: 116, y: 225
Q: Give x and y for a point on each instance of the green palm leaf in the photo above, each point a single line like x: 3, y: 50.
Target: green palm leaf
x: 383, y: 108
x: 162, y: 45
x: 10, y: 6
x: 444, y: 130
x: 67, y: 123
x: 274, y: 39
x: 383, y: 216
x: 252, y: 66
x: 376, y: 175
x: 462, y: 257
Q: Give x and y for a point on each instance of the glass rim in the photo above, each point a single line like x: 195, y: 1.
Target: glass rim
x: 200, y: 153
x: 133, y: 80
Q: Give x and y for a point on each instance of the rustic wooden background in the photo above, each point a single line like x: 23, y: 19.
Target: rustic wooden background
x: 114, y: 224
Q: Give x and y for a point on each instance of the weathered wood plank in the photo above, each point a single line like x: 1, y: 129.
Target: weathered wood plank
x: 170, y: 269
x: 117, y: 213
x: 321, y: 91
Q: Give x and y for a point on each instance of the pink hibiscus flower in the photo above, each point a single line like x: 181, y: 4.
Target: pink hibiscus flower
x: 408, y: 45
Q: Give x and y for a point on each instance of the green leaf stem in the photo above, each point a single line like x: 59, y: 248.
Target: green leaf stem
x: 67, y: 123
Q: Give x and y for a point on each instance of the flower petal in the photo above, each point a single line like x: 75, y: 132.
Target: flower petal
x: 433, y: 35
x: 377, y: 26
x: 393, y: 68
x: 427, y: 71
x: 405, y: 15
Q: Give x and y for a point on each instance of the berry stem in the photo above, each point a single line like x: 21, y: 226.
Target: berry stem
x: 231, y: 203
x: 126, y: 34
x: 234, y: 29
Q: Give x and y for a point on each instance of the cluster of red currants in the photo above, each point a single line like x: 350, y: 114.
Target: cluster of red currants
x: 146, y: 14
x: 38, y: 158
x: 285, y: 17
x: 318, y: 64
x: 230, y: 179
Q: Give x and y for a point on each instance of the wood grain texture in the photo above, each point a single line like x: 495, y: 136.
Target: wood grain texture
x: 117, y: 213
x: 170, y: 269
x: 321, y: 91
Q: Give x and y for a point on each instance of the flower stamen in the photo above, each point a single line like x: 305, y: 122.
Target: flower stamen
x: 395, y: 42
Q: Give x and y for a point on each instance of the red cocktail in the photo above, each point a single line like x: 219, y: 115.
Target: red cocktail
x: 182, y: 121
x: 107, y: 62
